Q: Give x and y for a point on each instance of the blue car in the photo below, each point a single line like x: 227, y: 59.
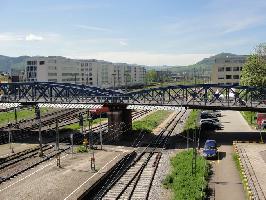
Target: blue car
x: 210, y: 150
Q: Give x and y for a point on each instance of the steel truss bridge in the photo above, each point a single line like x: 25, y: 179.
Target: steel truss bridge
x: 200, y: 96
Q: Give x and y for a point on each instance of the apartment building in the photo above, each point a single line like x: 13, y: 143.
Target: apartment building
x: 52, y: 69
x: 88, y: 72
x: 227, y: 70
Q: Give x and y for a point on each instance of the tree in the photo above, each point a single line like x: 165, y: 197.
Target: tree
x: 254, y: 70
x: 151, y: 76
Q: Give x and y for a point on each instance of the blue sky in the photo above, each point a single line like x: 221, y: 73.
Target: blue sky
x: 151, y: 32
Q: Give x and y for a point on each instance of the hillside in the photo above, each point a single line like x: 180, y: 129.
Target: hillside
x: 6, y: 62
x: 203, y: 65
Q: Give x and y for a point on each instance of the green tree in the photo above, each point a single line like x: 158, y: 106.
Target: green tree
x: 151, y: 76
x: 254, y: 70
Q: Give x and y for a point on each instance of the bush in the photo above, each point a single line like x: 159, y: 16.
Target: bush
x: 183, y: 184
x: 81, y: 149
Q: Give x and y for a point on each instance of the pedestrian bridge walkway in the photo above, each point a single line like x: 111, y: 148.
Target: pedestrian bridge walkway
x: 200, y: 96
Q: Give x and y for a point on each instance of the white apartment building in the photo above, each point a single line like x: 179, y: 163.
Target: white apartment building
x: 88, y: 72
x: 227, y: 70
x: 52, y: 69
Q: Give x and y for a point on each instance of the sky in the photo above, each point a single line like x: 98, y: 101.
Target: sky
x: 148, y: 32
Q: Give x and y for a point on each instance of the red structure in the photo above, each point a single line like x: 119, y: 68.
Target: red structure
x: 260, y: 117
x: 95, y: 113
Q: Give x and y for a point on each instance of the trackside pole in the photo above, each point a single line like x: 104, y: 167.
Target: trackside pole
x: 38, y: 117
x: 71, y: 140
x: 57, y: 136
x: 101, y: 136
x: 10, y: 138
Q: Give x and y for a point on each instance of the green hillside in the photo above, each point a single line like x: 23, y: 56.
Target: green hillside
x: 203, y: 65
x: 6, y: 62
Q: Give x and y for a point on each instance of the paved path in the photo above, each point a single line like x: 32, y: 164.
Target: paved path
x: 226, y: 181
x: 47, y: 181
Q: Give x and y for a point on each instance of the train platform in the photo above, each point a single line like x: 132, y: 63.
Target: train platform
x: 69, y: 181
x: 253, y: 159
x: 5, y: 149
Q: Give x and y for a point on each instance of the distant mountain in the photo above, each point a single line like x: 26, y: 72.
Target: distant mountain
x: 6, y: 63
x: 203, y: 65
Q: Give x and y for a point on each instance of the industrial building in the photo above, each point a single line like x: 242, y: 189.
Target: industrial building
x: 227, y: 70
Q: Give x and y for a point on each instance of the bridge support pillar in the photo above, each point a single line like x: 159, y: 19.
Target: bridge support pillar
x: 119, y: 121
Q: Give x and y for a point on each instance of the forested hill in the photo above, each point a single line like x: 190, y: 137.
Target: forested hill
x: 6, y: 62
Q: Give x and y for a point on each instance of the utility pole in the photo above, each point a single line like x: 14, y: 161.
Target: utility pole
x: 38, y: 117
x: 57, y: 136
x: 16, y: 116
x: 114, y: 79
x: 195, y: 78
x: 10, y: 137
x: 101, y: 136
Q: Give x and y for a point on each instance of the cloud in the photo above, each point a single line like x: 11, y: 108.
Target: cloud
x: 10, y: 37
x: 93, y: 28
x: 32, y: 37
x: 145, y: 58
x: 123, y: 43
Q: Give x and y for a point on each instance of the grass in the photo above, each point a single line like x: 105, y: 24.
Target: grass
x: 182, y: 183
x: 76, y: 127
x: 244, y: 181
x: 81, y: 149
x: 191, y: 122
x: 250, y: 118
x: 6, y: 117
x: 151, y: 121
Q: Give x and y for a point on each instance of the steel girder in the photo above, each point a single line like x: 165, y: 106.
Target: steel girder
x: 193, y: 96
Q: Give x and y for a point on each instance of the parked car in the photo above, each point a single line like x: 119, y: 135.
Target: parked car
x: 217, y: 113
x: 211, y: 119
x: 210, y: 125
x: 263, y: 124
x: 210, y: 150
x: 207, y: 114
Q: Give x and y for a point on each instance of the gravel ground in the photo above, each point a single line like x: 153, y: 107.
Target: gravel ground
x: 157, y: 191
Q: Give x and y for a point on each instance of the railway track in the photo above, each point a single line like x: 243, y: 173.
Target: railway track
x: 18, y: 163
x: 133, y: 180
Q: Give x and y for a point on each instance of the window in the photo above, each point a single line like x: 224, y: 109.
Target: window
x: 228, y: 76
x: 52, y: 74
x: 228, y: 69
x: 42, y: 62
x: 220, y: 77
x: 235, y: 69
x: 220, y: 69
x: 240, y: 68
x: 52, y: 80
x: 235, y: 76
x: 227, y: 61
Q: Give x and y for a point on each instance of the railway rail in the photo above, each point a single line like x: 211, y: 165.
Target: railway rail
x: 18, y: 163
x: 133, y: 179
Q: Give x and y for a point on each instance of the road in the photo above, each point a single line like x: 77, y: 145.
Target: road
x: 225, y: 181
